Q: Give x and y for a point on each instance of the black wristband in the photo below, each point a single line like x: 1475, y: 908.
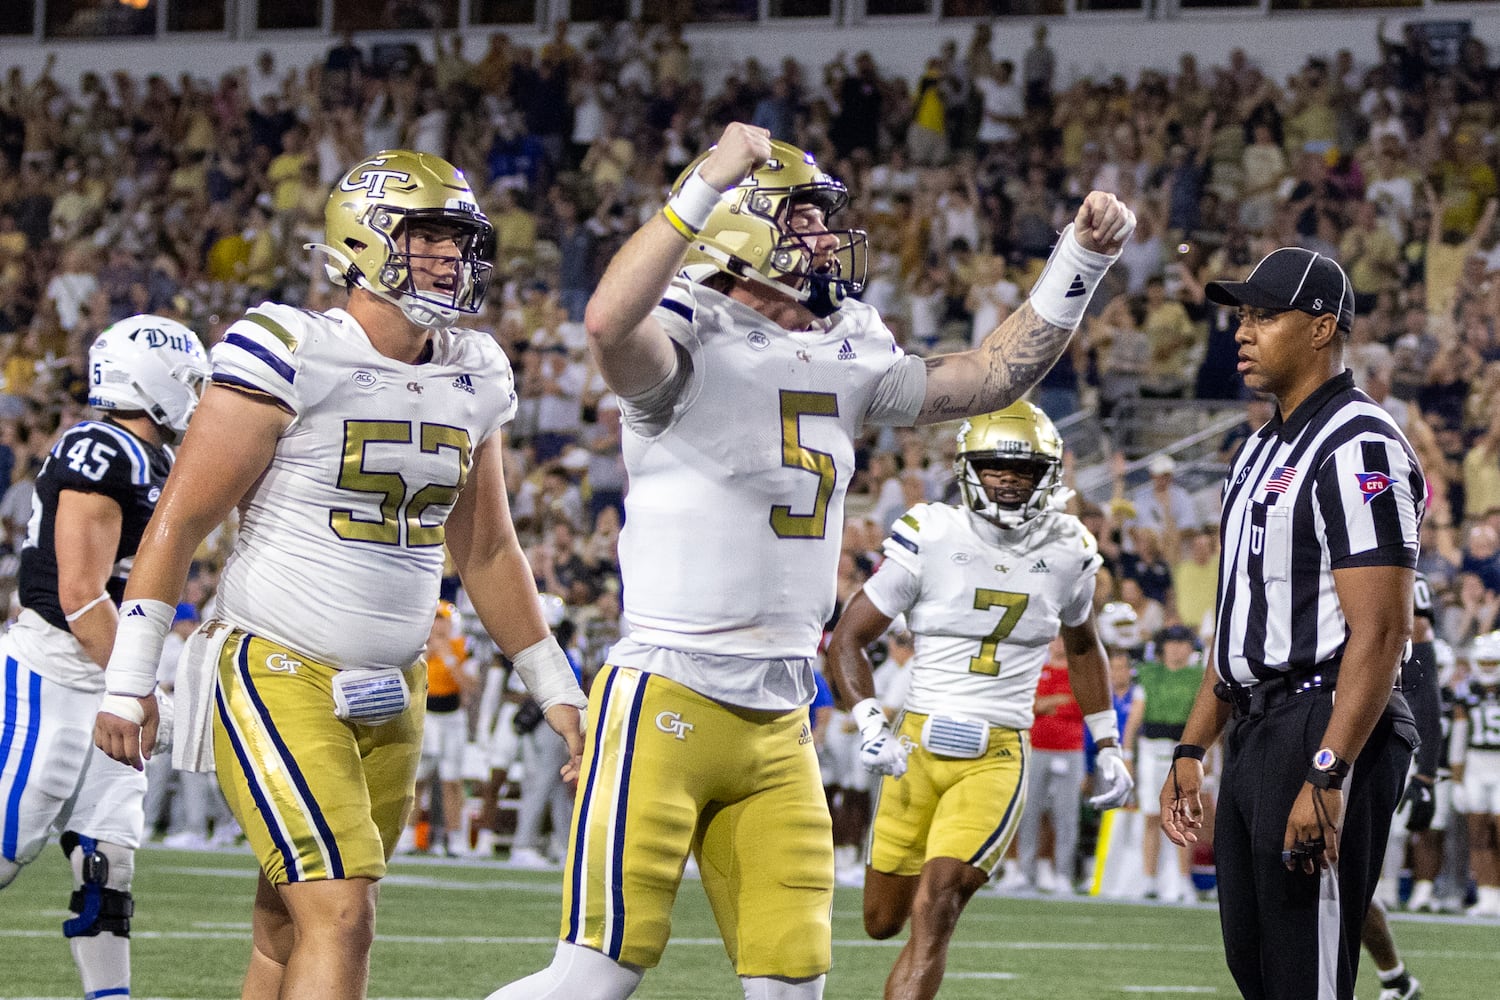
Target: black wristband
x: 1327, y: 780
x: 1191, y: 750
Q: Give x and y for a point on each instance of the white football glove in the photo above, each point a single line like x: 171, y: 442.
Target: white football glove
x: 879, y: 749
x: 166, y: 714
x: 1458, y: 798
x: 1113, y: 778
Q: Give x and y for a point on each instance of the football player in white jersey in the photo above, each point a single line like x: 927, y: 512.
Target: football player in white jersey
x: 94, y: 495
x: 356, y: 443
x: 745, y: 368
x: 985, y: 587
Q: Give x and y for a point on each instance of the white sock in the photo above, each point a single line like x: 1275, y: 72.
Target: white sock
x: 777, y: 988
x: 576, y: 973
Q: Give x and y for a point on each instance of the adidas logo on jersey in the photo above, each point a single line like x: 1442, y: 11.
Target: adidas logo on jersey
x: 464, y: 382
x: 846, y: 353
x: 805, y: 737
x: 1076, y: 289
x: 1040, y: 566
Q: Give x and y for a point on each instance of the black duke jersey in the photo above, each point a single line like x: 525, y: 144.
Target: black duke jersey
x: 1482, y: 703
x: 94, y: 457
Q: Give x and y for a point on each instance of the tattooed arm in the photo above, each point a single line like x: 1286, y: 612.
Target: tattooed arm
x: 1019, y: 351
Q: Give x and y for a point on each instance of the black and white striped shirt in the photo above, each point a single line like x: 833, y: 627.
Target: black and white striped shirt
x: 1334, y: 485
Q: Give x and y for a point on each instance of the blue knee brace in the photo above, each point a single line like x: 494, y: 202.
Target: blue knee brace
x: 98, y: 907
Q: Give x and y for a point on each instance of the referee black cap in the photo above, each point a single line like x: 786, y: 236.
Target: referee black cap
x: 1291, y: 278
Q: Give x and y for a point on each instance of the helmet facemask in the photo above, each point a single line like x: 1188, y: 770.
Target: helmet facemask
x: 394, y: 281
x: 1006, y: 505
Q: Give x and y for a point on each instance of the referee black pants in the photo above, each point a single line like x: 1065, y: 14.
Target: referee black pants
x: 1288, y: 935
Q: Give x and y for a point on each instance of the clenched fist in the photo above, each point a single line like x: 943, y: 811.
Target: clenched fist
x: 739, y: 151
x: 1103, y: 223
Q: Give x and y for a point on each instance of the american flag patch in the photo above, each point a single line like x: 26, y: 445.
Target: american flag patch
x: 1281, y: 479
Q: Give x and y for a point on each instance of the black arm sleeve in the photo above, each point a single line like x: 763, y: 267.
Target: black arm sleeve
x: 1420, y: 682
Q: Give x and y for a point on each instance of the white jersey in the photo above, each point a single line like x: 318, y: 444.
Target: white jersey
x: 340, y: 545
x: 735, y: 511
x: 983, y: 604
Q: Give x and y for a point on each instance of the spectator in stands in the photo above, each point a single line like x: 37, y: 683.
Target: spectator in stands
x: 1054, y: 782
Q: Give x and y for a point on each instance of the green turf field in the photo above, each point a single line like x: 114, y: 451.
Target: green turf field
x: 458, y: 930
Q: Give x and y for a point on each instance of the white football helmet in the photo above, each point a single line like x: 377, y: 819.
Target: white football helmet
x: 1117, y: 626
x: 1020, y: 433
x: 1484, y: 658
x: 149, y: 363
x: 365, y: 234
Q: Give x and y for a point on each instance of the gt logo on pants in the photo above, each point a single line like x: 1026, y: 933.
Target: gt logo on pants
x: 281, y: 663
x: 671, y: 722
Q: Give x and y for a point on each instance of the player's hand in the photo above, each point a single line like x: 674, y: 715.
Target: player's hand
x: 1311, y: 842
x: 1182, y: 802
x: 1114, y: 779
x: 1458, y: 798
x: 739, y: 150
x: 567, y: 722
x: 1103, y: 223
x: 879, y: 749
x: 1421, y: 800
x: 125, y: 728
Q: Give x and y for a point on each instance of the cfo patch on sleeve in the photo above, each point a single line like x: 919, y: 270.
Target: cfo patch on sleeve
x: 1372, y: 484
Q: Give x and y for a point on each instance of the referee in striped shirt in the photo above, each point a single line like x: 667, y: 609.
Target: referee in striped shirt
x: 1319, y: 545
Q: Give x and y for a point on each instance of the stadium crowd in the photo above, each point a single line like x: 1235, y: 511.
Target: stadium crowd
x: 193, y: 198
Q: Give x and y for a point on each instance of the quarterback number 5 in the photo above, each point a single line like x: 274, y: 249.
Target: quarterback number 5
x: 400, y: 521
x: 795, y: 455
x: 1015, y: 605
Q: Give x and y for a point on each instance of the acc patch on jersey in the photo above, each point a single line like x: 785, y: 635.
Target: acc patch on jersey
x: 1372, y: 484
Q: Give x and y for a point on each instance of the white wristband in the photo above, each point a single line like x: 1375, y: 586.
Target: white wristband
x: 1061, y: 295
x: 695, y: 202
x: 548, y: 676
x: 1103, y: 725
x: 137, y: 652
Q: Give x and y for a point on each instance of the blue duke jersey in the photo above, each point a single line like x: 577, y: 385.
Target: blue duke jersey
x: 340, y: 544
x: 96, y: 456
x: 983, y: 604
x: 736, y: 503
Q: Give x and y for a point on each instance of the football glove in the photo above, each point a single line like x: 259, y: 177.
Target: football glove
x: 1113, y: 778
x: 1422, y: 803
x: 1459, y: 798
x: 879, y: 749
x: 166, y: 714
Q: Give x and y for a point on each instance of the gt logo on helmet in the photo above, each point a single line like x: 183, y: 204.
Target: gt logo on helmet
x: 373, y: 182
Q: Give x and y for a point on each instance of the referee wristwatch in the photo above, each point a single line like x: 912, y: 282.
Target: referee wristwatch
x: 1328, y: 770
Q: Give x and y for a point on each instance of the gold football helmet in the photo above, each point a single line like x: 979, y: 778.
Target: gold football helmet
x: 749, y: 234
x: 1019, y: 435
x: 366, y: 233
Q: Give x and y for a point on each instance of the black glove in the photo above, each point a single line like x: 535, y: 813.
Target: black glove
x: 1419, y: 796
